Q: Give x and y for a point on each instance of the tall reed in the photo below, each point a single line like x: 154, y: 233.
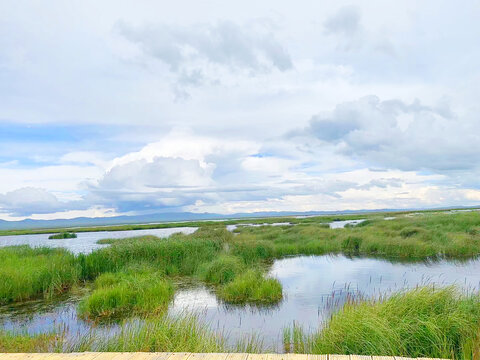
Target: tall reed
x: 26, y: 273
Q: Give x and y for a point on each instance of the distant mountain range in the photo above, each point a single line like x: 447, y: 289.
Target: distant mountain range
x: 172, y: 217
x: 145, y: 219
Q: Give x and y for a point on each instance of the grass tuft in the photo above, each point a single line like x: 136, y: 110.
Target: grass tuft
x: 252, y: 287
x: 27, y: 273
x: 123, y: 294
x: 63, y: 235
x: 222, y: 270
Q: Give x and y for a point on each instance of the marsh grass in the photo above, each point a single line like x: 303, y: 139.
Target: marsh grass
x: 252, y: 287
x: 177, y: 255
x: 63, y: 235
x: 424, y: 322
x: 22, y: 342
x: 128, y: 293
x: 27, y: 273
x: 432, y: 235
x: 221, y: 270
x: 182, y: 333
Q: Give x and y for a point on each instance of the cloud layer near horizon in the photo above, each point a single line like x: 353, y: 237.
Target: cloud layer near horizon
x: 117, y: 109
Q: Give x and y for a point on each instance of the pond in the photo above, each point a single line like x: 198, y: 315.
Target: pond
x: 86, y: 242
x: 338, y: 224
x: 314, y: 286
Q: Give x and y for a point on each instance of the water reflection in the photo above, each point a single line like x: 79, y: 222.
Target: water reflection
x: 314, y: 287
x: 340, y: 224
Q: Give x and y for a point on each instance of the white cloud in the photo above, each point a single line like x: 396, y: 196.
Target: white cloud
x: 394, y: 134
x: 29, y: 200
x: 345, y: 21
x: 200, y: 54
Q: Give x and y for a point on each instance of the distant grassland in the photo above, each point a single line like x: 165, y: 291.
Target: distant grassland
x: 167, y: 225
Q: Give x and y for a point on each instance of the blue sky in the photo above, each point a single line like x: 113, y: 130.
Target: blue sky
x: 122, y: 107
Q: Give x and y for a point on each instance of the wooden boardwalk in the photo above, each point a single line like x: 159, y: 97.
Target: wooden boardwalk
x: 187, y: 356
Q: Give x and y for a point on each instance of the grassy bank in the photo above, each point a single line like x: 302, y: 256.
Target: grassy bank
x: 27, y: 273
x: 425, y: 322
x: 422, y: 236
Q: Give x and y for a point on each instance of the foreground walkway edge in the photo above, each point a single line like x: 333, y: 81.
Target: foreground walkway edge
x: 188, y: 356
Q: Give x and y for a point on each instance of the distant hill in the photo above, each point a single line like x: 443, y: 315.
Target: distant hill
x: 153, y: 218
x: 172, y: 217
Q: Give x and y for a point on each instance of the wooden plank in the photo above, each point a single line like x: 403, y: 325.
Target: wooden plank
x: 16, y: 356
x: 317, y: 357
x: 8, y: 356
x: 161, y: 356
x: 338, y: 357
x: 298, y: 356
x: 39, y: 356
x: 153, y: 355
x: 257, y: 357
x: 101, y: 356
x: 362, y: 357
x: 215, y: 356
x: 178, y: 356
x: 279, y: 357
x: 237, y: 356
x: 121, y: 356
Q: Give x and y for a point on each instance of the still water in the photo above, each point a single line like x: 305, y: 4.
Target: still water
x: 314, y: 286
x: 86, y: 242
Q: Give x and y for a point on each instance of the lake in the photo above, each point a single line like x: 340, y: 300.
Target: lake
x: 86, y: 242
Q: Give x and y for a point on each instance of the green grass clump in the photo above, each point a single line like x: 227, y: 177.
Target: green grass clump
x: 425, y: 322
x: 176, y: 255
x: 27, y: 273
x: 222, y: 270
x: 163, y: 334
x: 127, y: 294
x: 351, y: 244
x: 11, y: 342
x: 252, y: 287
x: 63, y: 235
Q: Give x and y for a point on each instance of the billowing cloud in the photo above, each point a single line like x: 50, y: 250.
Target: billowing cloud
x: 395, y: 134
x: 29, y: 200
x: 250, y: 47
x: 197, y: 53
x: 345, y: 21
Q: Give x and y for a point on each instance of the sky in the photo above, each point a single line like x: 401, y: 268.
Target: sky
x: 138, y: 107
